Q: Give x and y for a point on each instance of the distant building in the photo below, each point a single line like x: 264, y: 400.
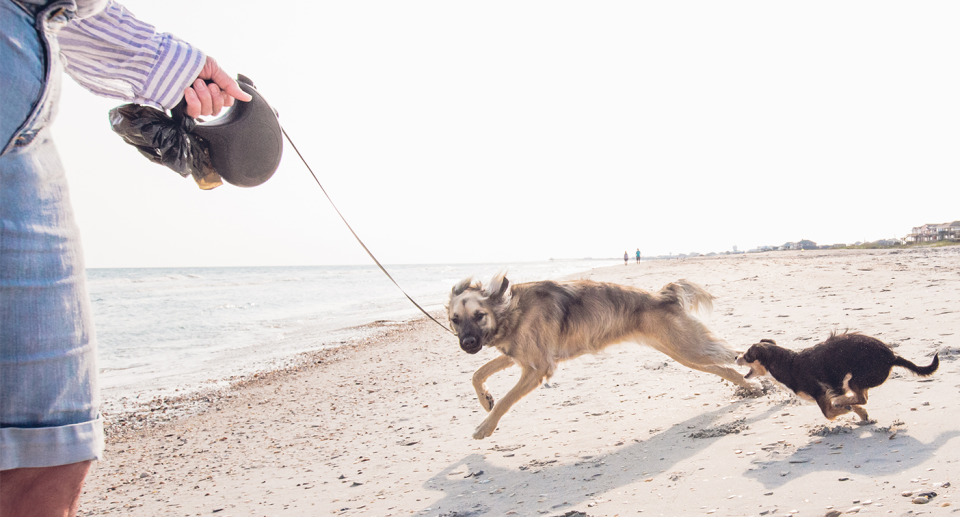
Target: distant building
x: 923, y: 233
x: 802, y: 245
x: 934, y: 232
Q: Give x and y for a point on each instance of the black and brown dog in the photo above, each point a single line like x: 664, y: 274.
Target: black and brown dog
x: 836, y: 374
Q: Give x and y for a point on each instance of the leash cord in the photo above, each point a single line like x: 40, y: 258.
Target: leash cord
x: 355, y: 233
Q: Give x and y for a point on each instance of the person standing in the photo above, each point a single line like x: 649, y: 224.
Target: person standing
x: 638, y: 255
x: 51, y: 429
x: 626, y: 258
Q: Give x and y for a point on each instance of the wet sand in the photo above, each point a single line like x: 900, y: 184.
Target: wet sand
x: 383, y: 427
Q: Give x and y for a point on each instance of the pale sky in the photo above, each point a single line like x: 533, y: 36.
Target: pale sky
x: 451, y: 132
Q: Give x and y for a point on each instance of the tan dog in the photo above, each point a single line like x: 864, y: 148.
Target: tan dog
x: 536, y: 325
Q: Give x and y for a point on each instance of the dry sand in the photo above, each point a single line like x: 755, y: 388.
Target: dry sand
x: 383, y: 428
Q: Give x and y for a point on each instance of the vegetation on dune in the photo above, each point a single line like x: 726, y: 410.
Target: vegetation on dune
x: 878, y: 246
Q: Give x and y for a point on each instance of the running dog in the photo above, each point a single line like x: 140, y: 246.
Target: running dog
x: 836, y: 374
x: 536, y: 325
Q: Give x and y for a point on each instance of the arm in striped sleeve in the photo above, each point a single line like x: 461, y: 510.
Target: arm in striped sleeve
x: 115, y: 55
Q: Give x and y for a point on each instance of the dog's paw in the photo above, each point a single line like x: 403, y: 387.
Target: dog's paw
x: 483, y: 431
x: 864, y: 417
x: 487, y: 401
x: 753, y: 390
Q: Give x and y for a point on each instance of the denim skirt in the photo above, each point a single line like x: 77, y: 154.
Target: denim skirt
x: 49, y: 399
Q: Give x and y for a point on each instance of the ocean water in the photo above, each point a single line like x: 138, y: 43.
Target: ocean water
x: 166, y: 329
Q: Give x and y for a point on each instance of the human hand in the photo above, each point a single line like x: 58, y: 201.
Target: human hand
x: 208, y: 99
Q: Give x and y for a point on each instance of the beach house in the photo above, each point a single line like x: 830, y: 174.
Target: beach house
x: 934, y: 232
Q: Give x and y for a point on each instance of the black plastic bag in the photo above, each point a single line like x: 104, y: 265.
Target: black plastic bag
x: 166, y: 140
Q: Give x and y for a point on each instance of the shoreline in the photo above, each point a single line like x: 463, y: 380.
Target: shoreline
x: 154, y: 407
x: 383, y: 427
x: 163, y: 332
x: 125, y: 415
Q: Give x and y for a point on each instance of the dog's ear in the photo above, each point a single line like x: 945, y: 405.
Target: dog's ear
x: 461, y: 286
x: 498, y: 286
x: 772, y: 342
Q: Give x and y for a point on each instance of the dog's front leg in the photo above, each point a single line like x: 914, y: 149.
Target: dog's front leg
x: 501, y: 362
x: 529, y: 380
x: 829, y: 410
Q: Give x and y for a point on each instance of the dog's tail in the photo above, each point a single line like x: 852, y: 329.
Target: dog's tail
x: 922, y: 371
x: 690, y: 296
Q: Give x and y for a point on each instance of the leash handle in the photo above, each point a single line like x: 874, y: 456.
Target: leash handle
x: 284, y: 131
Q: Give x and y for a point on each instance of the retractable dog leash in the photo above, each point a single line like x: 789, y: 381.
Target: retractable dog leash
x: 344, y: 219
x: 243, y: 147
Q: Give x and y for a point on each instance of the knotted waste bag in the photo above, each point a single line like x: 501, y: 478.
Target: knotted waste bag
x: 242, y: 147
x: 166, y: 140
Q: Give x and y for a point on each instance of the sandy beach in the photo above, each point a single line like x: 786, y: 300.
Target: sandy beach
x: 383, y: 427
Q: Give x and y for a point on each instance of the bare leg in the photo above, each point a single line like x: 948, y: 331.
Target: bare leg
x: 42, y: 492
x: 500, y: 363
x: 529, y: 380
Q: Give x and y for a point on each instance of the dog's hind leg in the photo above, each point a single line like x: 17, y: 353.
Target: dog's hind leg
x: 723, y: 371
x: 851, y: 396
x: 853, y: 401
x: 829, y: 410
x: 529, y: 380
x: 500, y: 363
x: 727, y: 373
x: 692, y: 344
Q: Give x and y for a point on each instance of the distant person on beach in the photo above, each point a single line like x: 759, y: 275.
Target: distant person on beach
x: 626, y: 258
x: 638, y: 255
x: 51, y: 429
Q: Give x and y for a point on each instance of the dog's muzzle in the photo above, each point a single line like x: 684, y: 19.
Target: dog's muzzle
x: 743, y: 362
x: 470, y: 344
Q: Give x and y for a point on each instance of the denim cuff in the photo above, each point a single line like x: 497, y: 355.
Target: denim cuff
x: 51, y: 446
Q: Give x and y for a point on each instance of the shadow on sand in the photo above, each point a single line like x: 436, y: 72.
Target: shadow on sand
x: 863, y: 452
x: 561, y: 486
x: 547, y: 488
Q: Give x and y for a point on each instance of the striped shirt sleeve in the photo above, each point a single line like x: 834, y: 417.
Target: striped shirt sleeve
x: 115, y: 55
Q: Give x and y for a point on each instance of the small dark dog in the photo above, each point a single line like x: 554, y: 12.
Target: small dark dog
x: 836, y: 373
